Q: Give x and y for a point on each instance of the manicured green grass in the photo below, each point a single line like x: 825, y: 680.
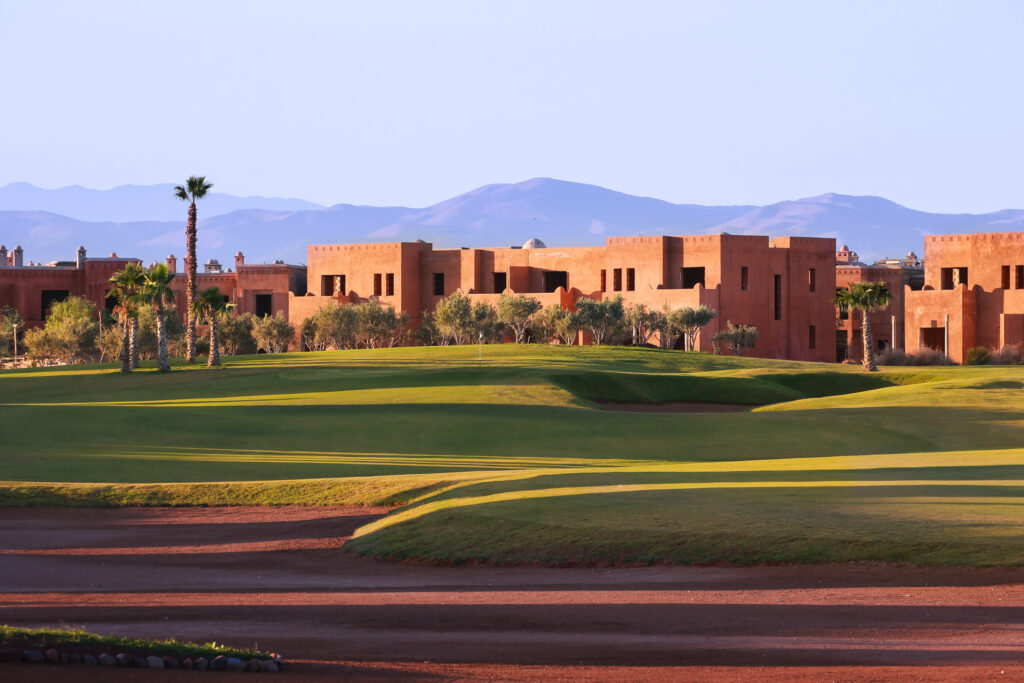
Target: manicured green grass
x: 511, y: 459
x: 75, y: 638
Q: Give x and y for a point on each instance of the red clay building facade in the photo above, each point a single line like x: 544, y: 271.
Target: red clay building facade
x: 973, y: 294
x: 783, y: 286
x: 31, y: 289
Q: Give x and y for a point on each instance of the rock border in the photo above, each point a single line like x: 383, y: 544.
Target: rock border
x: 123, y: 659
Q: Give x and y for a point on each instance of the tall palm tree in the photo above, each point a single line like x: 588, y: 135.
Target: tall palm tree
x: 194, y: 189
x: 156, y: 291
x: 208, y: 304
x: 125, y: 290
x: 865, y: 297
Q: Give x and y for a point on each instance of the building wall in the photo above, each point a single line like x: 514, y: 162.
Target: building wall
x: 895, y: 280
x: 981, y: 310
x: 656, y: 264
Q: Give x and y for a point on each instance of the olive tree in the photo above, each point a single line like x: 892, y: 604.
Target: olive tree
x: 517, y: 311
x: 603, y: 319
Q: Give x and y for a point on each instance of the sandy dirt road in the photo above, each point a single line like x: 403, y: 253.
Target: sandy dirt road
x: 278, y: 578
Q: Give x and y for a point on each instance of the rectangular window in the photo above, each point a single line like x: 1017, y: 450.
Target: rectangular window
x: 264, y: 305
x: 553, y: 279
x: 326, y: 285
x: 691, y: 277
x: 389, y: 284
x: 811, y: 279
x: 778, y: 297
x: 844, y: 312
x: 617, y: 279
x: 954, y: 277
x: 744, y: 278
x: 604, y: 280
x: 1020, y: 278
x: 500, y: 282
x: 438, y: 284
x: 1006, y: 277
x: 377, y: 288
x: 342, y: 289
x: 630, y: 279
x: 812, y: 337
x: 51, y: 296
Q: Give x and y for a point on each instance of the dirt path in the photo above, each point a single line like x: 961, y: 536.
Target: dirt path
x: 277, y: 577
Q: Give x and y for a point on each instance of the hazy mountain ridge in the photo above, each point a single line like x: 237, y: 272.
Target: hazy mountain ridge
x: 559, y: 212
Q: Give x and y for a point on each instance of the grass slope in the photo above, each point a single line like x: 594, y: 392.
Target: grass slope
x: 510, y: 460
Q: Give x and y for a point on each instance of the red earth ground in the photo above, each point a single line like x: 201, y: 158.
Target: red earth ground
x: 277, y: 578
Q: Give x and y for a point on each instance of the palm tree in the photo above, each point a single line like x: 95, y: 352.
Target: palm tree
x: 866, y: 297
x: 126, y: 290
x: 208, y: 304
x: 195, y: 188
x: 156, y: 291
x: 134, y: 275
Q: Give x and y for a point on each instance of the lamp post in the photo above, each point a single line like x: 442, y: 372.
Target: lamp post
x: 14, y: 328
x: 480, y: 359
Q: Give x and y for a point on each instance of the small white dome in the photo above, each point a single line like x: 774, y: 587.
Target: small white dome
x: 534, y: 244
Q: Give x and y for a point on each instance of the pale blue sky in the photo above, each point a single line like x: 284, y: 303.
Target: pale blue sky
x: 409, y: 103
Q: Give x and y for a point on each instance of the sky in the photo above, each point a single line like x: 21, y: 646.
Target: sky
x: 409, y: 103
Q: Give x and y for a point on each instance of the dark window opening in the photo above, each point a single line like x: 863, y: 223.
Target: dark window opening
x: 438, y: 284
x: 617, y: 279
x: 778, y: 297
x: 326, y: 285
x: 377, y: 288
x: 812, y: 337
x: 604, y: 280
x: 500, y: 282
x: 227, y: 299
x: 389, y: 284
x: 1006, y: 277
x: 52, y: 296
x: 630, y: 279
x: 811, y: 279
x: 264, y: 305
x: 691, y: 277
x: 934, y: 338
x: 882, y: 345
x: 109, y: 302
x: 952, y: 277
x: 842, y: 346
x: 1020, y: 278
x: 744, y: 278
x: 553, y: 279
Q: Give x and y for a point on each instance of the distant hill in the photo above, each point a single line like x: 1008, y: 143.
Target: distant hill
x: 560, y: 213
x: 130, y: 202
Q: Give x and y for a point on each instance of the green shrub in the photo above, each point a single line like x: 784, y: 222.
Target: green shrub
x: 979, y: 355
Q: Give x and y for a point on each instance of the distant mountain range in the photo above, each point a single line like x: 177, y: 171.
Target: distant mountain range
x: 148, y: 222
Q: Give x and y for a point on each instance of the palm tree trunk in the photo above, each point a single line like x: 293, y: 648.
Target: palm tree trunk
x: 190, y: 284
x: 161, y: 341
x: 869, y: 345
x: 214, y: 343
x: 133, y: 344
x: 126, y: 363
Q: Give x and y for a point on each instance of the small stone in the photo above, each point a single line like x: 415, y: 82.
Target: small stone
x: 123, y: 659
x: 218, y: 663
x: 269, y: 665
x: 172, y: 663
x: 140, y: 662
x: 107, y: 660
x: 52, y: 656
x: 201, y: 663
x: 74, y: 658
x: 234, y: 664
x: 252, y: 665
x: 34, y: 656
x: 90, y: 660
x: 186, y: 663
x: 154, y: 662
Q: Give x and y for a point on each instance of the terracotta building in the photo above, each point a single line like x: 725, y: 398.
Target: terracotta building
x: 973, y: 294
x: 783, y: 286
x: 32, y: 288
x: 887, y: 323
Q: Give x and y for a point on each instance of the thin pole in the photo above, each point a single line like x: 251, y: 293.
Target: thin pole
x: 480, y: 359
